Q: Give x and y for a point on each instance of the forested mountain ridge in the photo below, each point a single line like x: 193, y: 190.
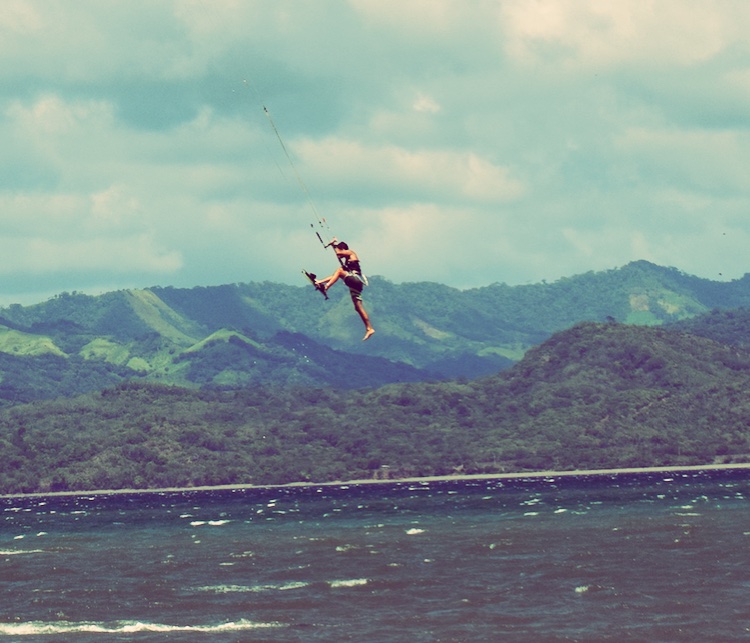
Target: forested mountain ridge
x: 247, y: 334
x: 726, y: 326
x: 593, y: 396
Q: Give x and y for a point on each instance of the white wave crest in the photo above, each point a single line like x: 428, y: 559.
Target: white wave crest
x: 34, y: 628
x: 356, y: 582
x: 237, y: 589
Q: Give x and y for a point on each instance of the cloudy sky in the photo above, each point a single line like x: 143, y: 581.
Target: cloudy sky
x: 465, y: 142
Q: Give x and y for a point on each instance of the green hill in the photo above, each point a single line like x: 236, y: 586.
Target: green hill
x: 594, y: 396
x: 727, y: 326
x: 238, y: 335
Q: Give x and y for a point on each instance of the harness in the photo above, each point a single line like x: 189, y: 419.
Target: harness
x: 351, y: 265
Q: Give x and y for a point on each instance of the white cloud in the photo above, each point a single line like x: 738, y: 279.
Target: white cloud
x: 551, y: 136
x: 423, y: 175
x: 699, y: 159
x: 424, y: 103
x: 600, y: 34
x: 19, y: 18
x: 46, y: 214
x: 414, y: 16
x: 113, y: 207
x: 113, y: 255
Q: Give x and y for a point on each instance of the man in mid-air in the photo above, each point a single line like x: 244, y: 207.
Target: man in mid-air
x: 351, y: 272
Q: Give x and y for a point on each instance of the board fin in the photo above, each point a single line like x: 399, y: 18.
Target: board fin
x: 319, y: 287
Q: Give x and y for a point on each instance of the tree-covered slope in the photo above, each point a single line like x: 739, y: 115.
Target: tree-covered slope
x: 239, y: 335
x: 594, y: 396
x: 727, y: 326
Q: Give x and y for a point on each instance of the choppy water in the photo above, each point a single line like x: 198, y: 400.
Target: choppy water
x: 657, y: 557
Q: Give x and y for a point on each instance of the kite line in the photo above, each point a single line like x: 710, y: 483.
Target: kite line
x: 321, y: 221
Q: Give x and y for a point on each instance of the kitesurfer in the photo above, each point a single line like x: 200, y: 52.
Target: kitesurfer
x: 351, y: 272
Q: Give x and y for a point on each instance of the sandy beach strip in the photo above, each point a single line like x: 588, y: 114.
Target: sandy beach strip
x: 391, y: 481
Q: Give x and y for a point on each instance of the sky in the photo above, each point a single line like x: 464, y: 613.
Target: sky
x: 464, y: 142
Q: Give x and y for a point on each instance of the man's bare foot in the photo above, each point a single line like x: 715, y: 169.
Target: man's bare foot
x: 370, y: 332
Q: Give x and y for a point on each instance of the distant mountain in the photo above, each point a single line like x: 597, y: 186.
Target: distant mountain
x: 593, y: 396
x: 727, y: 326
x: 237, y: 335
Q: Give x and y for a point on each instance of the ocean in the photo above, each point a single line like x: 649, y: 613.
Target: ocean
x: 658, y: 556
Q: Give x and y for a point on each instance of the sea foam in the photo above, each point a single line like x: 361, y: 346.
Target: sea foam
x: 356, y: 582
x: 122, y: 627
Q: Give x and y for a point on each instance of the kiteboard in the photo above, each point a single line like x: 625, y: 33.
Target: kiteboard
x: 319, y: 287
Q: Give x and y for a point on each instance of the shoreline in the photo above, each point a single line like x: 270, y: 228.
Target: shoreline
x: 371, y: 481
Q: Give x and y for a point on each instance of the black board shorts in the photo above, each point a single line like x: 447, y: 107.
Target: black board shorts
x: 355, y: 283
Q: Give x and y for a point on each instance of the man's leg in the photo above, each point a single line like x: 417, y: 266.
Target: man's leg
x: 369, y: 330
x: 329, y: 281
